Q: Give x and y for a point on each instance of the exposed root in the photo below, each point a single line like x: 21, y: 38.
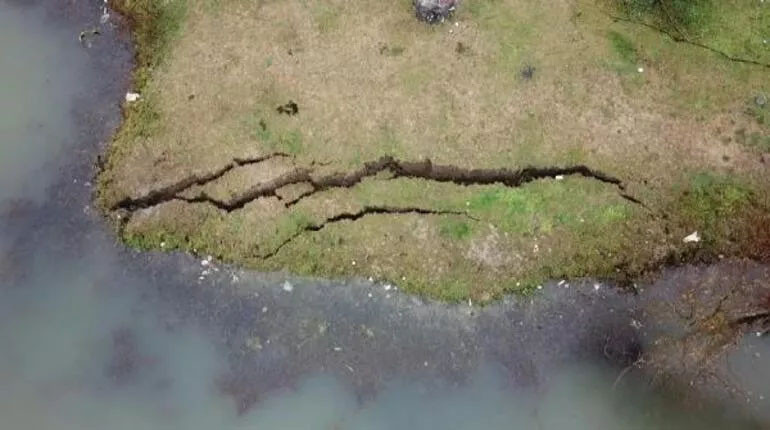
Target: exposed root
x: 366, y: 211
x: 398, y: 169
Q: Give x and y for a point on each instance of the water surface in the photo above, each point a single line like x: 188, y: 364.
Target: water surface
x: 94, y: 336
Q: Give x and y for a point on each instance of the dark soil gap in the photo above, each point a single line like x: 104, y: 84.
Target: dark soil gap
x: 399, y: 169
x: 354, y: 216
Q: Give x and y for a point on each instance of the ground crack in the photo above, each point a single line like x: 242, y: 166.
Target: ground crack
x: 398, y: 169
x: 354, y: 216
x: 165, y: 194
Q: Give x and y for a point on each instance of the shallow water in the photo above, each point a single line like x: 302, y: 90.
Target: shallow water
x: 39, y: 72
x: 96, y: 337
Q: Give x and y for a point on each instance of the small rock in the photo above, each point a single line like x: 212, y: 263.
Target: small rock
x: 264, y: 309
x: 205, y: 263
x: 760, y: 100
x: 132, y: 97
x: 692, y: 238
x: 288, y: 287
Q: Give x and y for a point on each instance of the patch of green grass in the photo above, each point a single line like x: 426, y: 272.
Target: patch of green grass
x: 513, y: 29
x: 623, y: 47
x: 155, y: 23
x: 544, y: 206
x: 261, y: 131
x: 293, y: 223
x: 454, y: 229
x: 291, y: 142
x: 325, y: 16
x: 674, y: 15
x: 738, y: 28
x: 712, y: 202
x: 760, y: 113
x: 388, y: 142
x: 392, y: 51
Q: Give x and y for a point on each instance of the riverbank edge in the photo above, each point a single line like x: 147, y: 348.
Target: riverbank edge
x: 154, y: 26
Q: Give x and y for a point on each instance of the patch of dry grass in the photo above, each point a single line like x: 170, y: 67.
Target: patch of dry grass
x: 370, y: 80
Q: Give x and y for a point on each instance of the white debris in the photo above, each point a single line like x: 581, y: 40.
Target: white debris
x: 354, y: 262
x: 692, y: 238
x: 640, y: 70
x: 561, y: 282
x: 288, y: 287
x: 539, y: 287
x: 163, y: 244
x: 559, y: 177
x: 337, y: 349
x: 370, y: 295
x: 636, y: 324
x: 371, y: 279
x: 132, y: 97
x: 105, y: 16
x: 264, y: 309
x: 425, y: 364
x: 597, y: 287
x: 205, y: 263
x: 387, y: 287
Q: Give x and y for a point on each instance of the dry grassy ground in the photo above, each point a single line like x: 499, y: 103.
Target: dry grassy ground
x: 638, y: 138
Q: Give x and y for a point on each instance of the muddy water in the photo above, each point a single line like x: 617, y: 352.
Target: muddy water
x: 93, y: 336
